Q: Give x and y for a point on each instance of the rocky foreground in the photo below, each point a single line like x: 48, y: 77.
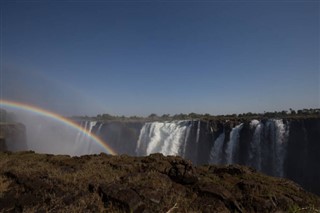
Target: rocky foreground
x: 32, y: 182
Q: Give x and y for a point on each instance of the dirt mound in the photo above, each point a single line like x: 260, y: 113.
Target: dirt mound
x: 32, y: 182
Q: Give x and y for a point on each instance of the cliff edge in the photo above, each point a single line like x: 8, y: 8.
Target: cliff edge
x: 32, y: 182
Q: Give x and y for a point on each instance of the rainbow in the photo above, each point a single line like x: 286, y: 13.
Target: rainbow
x: 59, y: 118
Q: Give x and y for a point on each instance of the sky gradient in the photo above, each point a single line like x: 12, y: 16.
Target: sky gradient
x: 142, y: 57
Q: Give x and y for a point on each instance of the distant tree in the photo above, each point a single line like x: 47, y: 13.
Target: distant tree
x: 107, y: 117
x: 207, y: 116
x: 292, y: 112
x: 180, y: 116
x: 134, y: 117
x: 305, y: 111
x: 193, y: 115
x: 165, y: 116
x: 153, y: 116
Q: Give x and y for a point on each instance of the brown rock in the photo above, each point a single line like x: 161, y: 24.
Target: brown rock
x: 126, y: 199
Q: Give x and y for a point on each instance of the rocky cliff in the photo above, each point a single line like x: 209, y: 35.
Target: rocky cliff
x: 32, y: 182
x: 279, y: 147
x: 12, y: 137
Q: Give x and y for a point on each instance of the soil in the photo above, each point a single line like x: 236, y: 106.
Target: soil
x: 31, y: 182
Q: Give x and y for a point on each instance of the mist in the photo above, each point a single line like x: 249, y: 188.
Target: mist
x: 46, y: 135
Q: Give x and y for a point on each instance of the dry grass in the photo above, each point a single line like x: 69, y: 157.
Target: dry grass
x: 4, y: 185
x: 31, y: 182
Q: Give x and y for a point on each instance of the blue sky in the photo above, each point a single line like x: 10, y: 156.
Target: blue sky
x: 140, y: 57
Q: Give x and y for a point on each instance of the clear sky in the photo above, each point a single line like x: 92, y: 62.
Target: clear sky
x: 140, y: 57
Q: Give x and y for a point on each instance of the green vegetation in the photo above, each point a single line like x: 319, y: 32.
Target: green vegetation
x: 303, y: 113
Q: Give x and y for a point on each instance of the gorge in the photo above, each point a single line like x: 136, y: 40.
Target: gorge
x: 278, y: 147
x: 281, y: 147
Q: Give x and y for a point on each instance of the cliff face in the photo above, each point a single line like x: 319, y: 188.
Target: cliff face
x: 302, y: 160
x: 278, y: 147
x: 121, y: 136
x: 32, y: 182
x: 12, y: 137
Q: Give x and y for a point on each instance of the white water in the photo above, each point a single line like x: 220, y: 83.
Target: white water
x: 198, y: 132
x: 99, y: 129
x: 272, y: 153
x: 281, y: 135
x: 185, y: 142
x: 216, y: 151
x: 162, y: 137
x: 84, y: 144
x: 233, y: 143
x: 143, y: 140
x: 255, y: 145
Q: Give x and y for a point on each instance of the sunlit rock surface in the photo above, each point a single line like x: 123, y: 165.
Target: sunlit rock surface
x: 156, y: 183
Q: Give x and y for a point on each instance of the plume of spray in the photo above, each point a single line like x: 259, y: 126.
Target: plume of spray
x: 51, y: 133
x: 45, y: 135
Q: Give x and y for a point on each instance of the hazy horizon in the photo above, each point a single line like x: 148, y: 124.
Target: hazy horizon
x: 142, y: 57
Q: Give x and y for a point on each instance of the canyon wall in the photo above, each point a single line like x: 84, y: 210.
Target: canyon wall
x: 278, y: 147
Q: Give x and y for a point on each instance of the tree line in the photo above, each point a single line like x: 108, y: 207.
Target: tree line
x: 192, y: 116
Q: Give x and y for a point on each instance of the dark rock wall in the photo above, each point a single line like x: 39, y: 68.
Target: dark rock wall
x: 121, y: 136
x: 12, y: 137
x: 303, y: 153
x: 300, y: 154
x: 191, y: 152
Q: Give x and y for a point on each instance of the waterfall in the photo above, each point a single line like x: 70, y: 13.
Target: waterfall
x: 281, y: 135
x: 198, y: 132
x: 268, y: 146
x: 83, y: 141
x: 88, y: 141
x: 255, y: 145
x: 99, y: 129
x: 164, y: 137
x: 184, y: 145
x: 143, y: 140
x: 233, y: 143
x: 216, y: 151
x: 80, y: 134
x: 90, y: 147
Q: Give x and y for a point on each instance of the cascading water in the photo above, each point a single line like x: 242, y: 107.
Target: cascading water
x: 80, y: 135
x: 216, y: 151
x: 268, y: 145
x: 91, y: 148
x: 198, y: 132
x: 281, y: 135
x: 163, y: 137
x: 233, y: 143
x: 185, y: 142
x: 143, y: 140
x: 255, y: 145
x: 265, y: 152
x: 99, y: 129
x: 265, y: 145
x: 83, y: 143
